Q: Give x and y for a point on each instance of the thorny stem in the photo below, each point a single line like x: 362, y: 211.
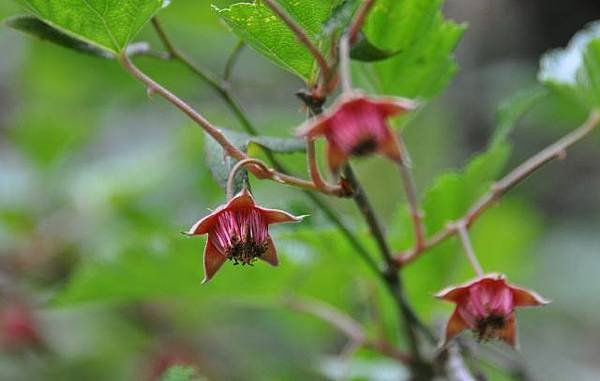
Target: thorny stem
x: 463, y: 234
x: 508, y: 182
x: 410, y: 190
x: 230, y: 149
x: 300, y: 35
x: 359, y: 19
x: 346, y: 325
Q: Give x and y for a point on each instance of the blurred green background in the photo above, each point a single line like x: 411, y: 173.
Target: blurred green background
x: 97, y: 181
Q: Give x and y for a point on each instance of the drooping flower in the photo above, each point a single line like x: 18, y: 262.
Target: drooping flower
x: 486, y: 306
x: 357, y: 126
x: 239, y: 231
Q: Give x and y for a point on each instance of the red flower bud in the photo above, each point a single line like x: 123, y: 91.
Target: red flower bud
x: 486, y: 307
x: 239, y: 231
x: 357, y: 126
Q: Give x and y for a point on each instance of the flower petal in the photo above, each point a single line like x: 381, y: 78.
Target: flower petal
x: 454, y: 327
x: 509, y: 333
x: 204, y: 225
x: 391, y: 106
x: 276, y: 216
x: 213, y: 260
x: 241, y: 200
x: 390, y: 147
x: 270, y: 256
x: 315, y: 126
x: 525, y: 298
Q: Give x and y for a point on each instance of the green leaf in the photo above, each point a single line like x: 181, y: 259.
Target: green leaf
x: 260, y: 28
x: 364, y: 50
x: 575, y: 70
x: 181, y: 373
x: 220, y: 163
x: 106, y: 24
x: 513, y: 108
x: 37, y: 28
x: 340, y: 17
x: 416, y: 29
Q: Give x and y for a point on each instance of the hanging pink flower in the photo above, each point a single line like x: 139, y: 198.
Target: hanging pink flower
x: 486, y: 307
x: 239, y: 231
x: 357, y: 126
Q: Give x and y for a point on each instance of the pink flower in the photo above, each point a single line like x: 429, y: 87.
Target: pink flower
x: 357, y: 126
x: 486, y: 307
x: 239, y: 231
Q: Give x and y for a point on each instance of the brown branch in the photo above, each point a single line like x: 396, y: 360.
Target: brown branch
x: 313, y: 170
x: 300, y: 35
x: 155, y: 88
x: 359, y: 19
x: 501, y: 187
x: 220, y: 138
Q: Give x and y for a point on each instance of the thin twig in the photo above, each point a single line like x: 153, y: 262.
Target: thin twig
x: 208, y: 77
x: 313, y: 168
x: 410, y: 190
x: 220, y: 138
x: 463, y: 234
x: 300, y: 35
x: 345, y: 73
x: 236, y: 109
x: 508, y: 182
x: 261, y: 165
x: 153, y: 87
x: 231, y: 61
x: 346, y: 325
x: 359, y: 19
x: 390, y: 274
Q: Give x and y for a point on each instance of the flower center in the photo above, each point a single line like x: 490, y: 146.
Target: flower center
x: 241, y: 235
x: 365, y: 147
x: 488, y: 327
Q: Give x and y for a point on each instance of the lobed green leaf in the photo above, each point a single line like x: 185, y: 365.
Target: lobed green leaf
x: 574, y: 71
x: 105, y: 24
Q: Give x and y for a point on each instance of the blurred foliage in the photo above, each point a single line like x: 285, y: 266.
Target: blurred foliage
x: 97, y: 181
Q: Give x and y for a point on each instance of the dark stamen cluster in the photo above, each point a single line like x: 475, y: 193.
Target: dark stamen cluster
x: 488, y: 327
x: 245, y: 251
x: 365, y: 147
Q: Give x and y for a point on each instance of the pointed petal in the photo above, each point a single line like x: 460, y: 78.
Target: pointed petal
x: 452, y: 293
x: 270, y: 256
x: 391, y: 106
x: 204, y: 225
x: 335, y: 158
x: 241, y: 200
x: 276, y: 216
x: 314, y: 127
x: 213, y: 260
x: 525, y: 298
x: 455, y: 326
x: 390, y: 147
x: 509, y: 333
